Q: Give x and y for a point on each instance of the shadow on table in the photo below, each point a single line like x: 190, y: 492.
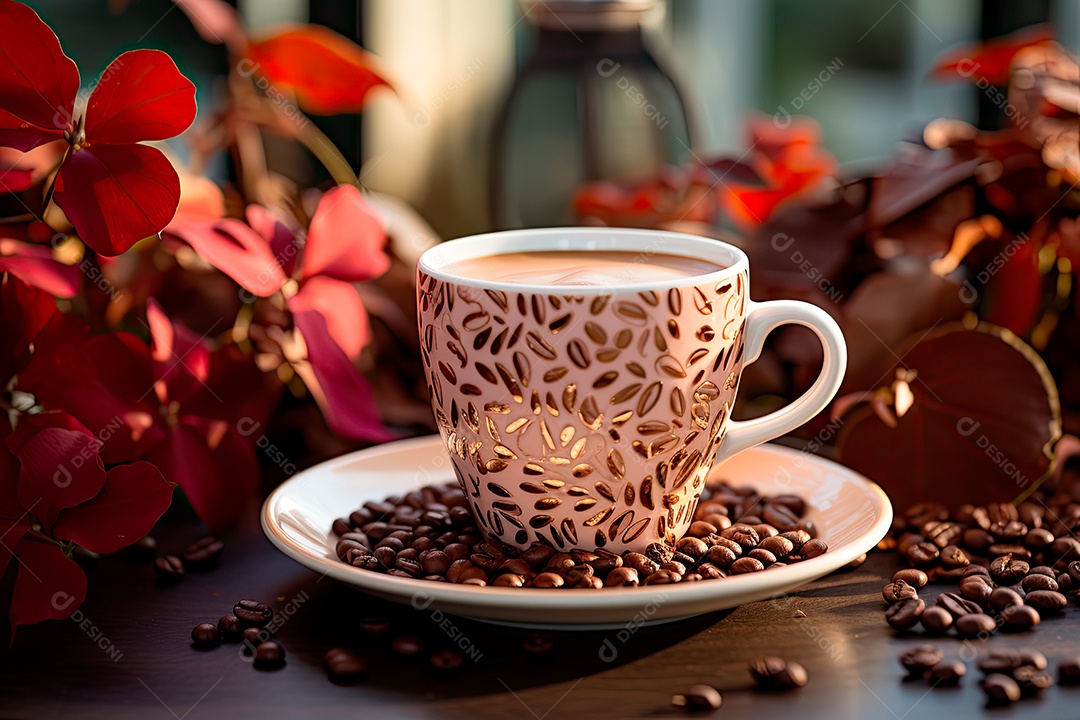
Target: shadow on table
x: 494, y: 658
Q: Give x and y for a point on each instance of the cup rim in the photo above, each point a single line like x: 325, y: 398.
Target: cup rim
x: 733, y: 259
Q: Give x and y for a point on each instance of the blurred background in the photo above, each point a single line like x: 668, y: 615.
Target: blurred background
x: 614, y: 93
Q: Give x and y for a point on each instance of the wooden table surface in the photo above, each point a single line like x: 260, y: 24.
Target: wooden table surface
x: 130, y: 656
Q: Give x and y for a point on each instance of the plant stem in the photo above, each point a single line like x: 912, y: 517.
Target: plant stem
x: 320, y: 146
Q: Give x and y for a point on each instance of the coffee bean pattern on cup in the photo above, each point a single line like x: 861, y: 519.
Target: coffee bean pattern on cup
x: 430, y: 534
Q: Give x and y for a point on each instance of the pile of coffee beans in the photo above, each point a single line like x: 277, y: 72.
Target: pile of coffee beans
x: 202, y: 555
x: 430, y: 534
x: 1014, y: 566
x: 247, y: 624
x: 1009, y: 674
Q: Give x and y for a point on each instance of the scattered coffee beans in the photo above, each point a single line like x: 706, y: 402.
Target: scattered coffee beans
x: 169, y: 569
x: 430, y: 534
x: 946, y: 673
x: 1000, y: 689
x: 919, y: 659
x: 204, y: 554
x: 253, y: 613
x: 230, y: 628
x: 774, y: 673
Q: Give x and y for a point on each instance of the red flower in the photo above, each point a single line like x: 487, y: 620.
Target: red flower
x: 186, y: 409
x: 343, y: 245
x: 114, y: 190
x: 55, y: 493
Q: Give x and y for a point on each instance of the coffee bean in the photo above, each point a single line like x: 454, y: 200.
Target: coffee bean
x: 781, y: 517
x: 1038, y: 538
x: 692, y: 546
x: 1047, y: 602
x: 253, y: 612
x: 698, y: 697
x: 205, y: 635
x: 660, y: 552
x: 917, y: 660
x: 204, y: 554
x: 942, y: 533
x: 954, y: 557
x: 1037, y: 581
x: 972, y: 570
x: 252, y: 637
x: 434, y: 562
x: 775, y: 673
x: 778, y: 545
x: 905, y: 613
x: 343, y: 666
x: 745, y: 535
x: 813, y: 548
x: 946, y: 673
x: 169, y: 569
x: 721, y: 556
x: 374, y: 625
x: 762, y: 555
x: 922, y: 513
x: 1069, y: 671
x: 923, y: 553
x: 548, y: 580
x: 977, y: 588
x: 912, y: 576
x: 1007, y: 570
x: 936, y: 620
x: 700, y: 529
x: 1019, y: 618
x: 230, y: 628
x: 977, y: 540
x: 974, y: 625
x: 663, y: 577
x: 644, y: 565
x: 269, y: 655
x: 622, y: 577
x: 1018, y: 552
x: 407, y: 645
x: 1032, y: 657
x: 1000, y: 689
x: 1032, y: 681
x: 745, y: 565
x: 956, y: 605
x: 446, y: 661
x: 1002, y: 598
x: 898, y: 590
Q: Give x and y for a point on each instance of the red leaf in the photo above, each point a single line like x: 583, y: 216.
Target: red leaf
x: 213, y: 464
x: 60, y: 469
x: 340, y: 389
x: 346, y: 238
x: 216, y: 22
x: 341, y: 308
x: 141, y: 96
x: 10, y: 507
x: 328, y: 73
x: 135, y: 496
x: 34, y: 265
x: 49, y: 586
x: 238, y: 251
x: 1014, y: 294
x: 116, y: 195
x: 989, y: 61
x: 38, y: 83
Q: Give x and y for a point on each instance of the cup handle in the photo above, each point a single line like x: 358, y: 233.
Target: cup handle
x: 761, y: 319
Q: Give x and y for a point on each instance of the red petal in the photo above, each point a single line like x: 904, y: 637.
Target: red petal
x: 34, y: 265
x: 328, y: 73
x: 341, y: 308
x: 181, y: 358
x: 24, y: 312
x: 116, y: 195
x: 141, y: 96
x: 213, y: 464
x: 134, y: 498
x: 15, y: 179
x: 38, y: 83
x: 236, y: 390
x: 49, y: 585
x: 989, y: 61
x: 238, y: 251
x: 340, y: 389
x: 10, y: 507
x: 281, y: 239
x: 11, y: 532
x: 216, y: 22
x: 60, y: 469
x: 346, y: 238
x: 105, y: 381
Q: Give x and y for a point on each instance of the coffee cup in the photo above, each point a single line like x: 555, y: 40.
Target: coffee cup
x: 582, y: 379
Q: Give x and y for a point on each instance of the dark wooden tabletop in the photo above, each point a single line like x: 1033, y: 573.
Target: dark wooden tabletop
x: 130, y: 656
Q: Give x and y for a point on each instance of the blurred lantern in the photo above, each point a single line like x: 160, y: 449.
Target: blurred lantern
x: 590, y: 103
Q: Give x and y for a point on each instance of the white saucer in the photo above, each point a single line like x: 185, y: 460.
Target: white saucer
x: 851, y: 514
